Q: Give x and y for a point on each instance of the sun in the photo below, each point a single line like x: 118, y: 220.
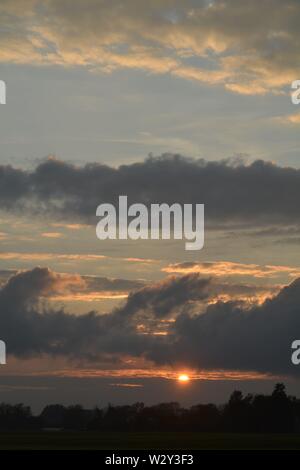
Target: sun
x: 183, y: 378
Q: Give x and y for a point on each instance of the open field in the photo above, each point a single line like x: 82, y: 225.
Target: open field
x: 154, y: 441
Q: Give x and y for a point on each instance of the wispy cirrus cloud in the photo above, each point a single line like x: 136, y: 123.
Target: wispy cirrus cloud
x: 228, y: 268
x: 47, y: 256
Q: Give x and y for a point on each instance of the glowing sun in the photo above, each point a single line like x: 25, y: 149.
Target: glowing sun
x: 183, y: 378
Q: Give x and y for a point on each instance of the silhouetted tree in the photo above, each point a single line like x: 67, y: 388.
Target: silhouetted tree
x: 53, y: 416
x: 16, y: 417
x: 277, y: 412
x: 237, y: 414
x: 202, y: 418
x: 74, y: 418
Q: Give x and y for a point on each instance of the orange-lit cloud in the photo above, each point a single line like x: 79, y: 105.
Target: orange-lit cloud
x: 227, y: 268
x: 69, y: 226
x: 47, y: 256
x: 290, y: 119
x: 160, y: 37
x: 169, y: 374
x: 89, y: 296
x: 126, y: 385
x: 52, y: 235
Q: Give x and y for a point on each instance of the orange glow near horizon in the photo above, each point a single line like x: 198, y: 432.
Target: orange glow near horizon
x: 183, y: 378
x: 58, y: 368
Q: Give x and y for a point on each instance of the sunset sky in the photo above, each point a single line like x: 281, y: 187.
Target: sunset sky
x: 163, y: 101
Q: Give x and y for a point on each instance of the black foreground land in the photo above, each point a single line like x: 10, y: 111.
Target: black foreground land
x: 151, y: 441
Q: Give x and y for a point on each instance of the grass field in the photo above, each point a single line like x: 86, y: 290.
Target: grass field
x: 154, y: 441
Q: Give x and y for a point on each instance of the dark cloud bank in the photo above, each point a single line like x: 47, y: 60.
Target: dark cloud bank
x: 261, y: 192
x: 227, y: 335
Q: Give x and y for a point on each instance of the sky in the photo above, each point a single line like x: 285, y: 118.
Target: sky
x: 164, y: 101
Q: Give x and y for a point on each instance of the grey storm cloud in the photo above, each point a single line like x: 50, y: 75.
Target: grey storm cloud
x: 261, y: 192
x: 81, y: 283
x: 30, y: 326
x: 167, y: 296
x: 227, y: 335
x: 232, y: 336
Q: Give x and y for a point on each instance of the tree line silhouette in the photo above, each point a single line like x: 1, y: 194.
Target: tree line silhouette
x: 277, y: 412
